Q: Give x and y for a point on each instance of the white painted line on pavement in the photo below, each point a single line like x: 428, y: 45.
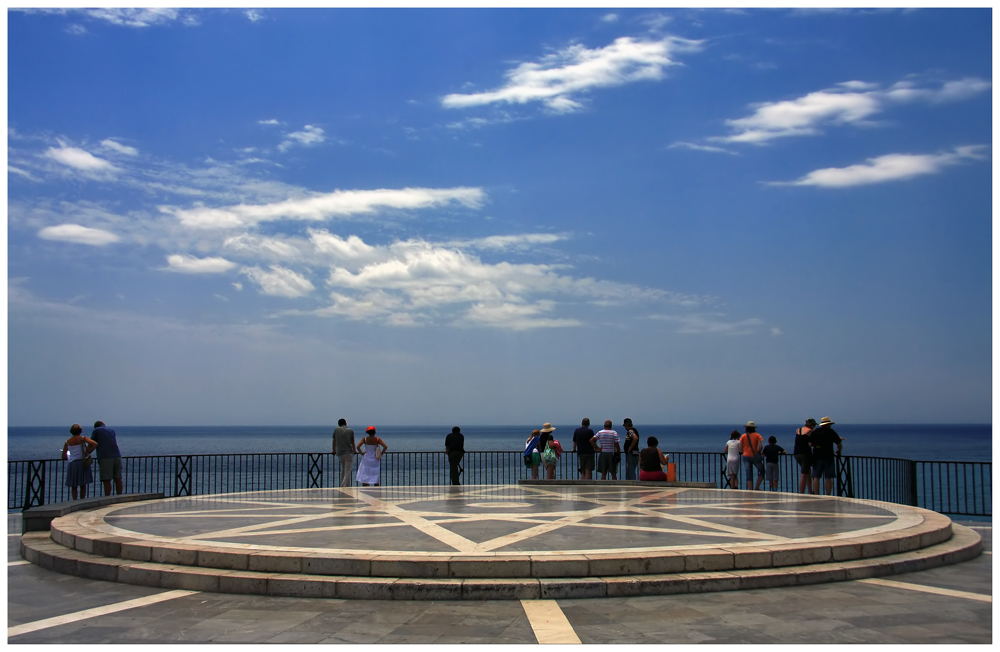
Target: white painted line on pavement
x: 549, y: 622
x: 979, y: 527
x: 929, y: 589
x: 18, y: 563
x: 55, y: 621
x: 13, y: 535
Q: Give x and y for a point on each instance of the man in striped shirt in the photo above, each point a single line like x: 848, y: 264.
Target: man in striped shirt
x: 606, y: 442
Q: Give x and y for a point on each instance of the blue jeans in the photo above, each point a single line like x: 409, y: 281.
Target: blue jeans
x: 747, y: 469
x: 631, y: 464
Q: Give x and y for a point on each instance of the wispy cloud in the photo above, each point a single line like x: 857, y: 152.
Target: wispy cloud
x: 560, y: 78
x: 891, y: 167
x: 124, y: 17
x: 508, y: 242
x: 254, y: 15
x: 340, y: 203
x: 848, y: 103
x: 308, y: 137
x: 271, y: 121
x: 80, y: 159
x: 702, y: 148
x: 78, y: 234
x: 186, y: 264
x: 279, y: 281
x: 710, y: 323
x: 115, y: 146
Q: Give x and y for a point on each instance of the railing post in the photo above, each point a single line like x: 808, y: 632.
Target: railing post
x: 845, y: 484
x: 913, y: 484
x: 315, y: 470
x: 34, y: 484
x: 182, y: 475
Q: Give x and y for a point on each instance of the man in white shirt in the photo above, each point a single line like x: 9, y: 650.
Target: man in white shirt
x: 606, y: 442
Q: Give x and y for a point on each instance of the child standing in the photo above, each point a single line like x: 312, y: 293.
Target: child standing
x: 771, y: 469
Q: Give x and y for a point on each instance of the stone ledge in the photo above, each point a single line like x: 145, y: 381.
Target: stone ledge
x: 40, y: 549
x: 38, y: 519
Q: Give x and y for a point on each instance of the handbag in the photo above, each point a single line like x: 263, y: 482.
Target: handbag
x: 87, y: 459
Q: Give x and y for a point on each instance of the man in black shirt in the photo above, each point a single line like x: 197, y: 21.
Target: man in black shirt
x: 823, y: 439
x: 584, y: 449
x: 454, y: 448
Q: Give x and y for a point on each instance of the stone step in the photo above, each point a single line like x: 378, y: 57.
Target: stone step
x: 40, y: 549
x: 88, y: 533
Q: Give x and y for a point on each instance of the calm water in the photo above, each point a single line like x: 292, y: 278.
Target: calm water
x: 916, y: 442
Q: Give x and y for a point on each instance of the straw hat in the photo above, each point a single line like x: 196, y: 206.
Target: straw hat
x: 547, y: 427
x: 751, y: 424
x: 826, y: 421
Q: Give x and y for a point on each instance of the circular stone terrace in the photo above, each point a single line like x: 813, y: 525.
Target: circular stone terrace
x: 499, y: 541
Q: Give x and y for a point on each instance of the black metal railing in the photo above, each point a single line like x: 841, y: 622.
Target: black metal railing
x: 961, y: 488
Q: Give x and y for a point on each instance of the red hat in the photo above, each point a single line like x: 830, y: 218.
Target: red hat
x: 370, y: 429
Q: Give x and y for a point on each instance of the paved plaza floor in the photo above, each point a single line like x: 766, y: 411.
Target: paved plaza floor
x: 501, y: 520
x: 951, y: 604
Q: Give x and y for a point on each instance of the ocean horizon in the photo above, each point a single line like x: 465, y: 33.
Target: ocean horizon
x: 928, y: 442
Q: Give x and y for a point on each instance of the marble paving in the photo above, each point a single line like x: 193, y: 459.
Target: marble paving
x: 479, y: 521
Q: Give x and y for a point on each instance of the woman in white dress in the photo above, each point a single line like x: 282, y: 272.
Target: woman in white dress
x: 78, y: 474
x: 371, y: 464
x: 733, y: 451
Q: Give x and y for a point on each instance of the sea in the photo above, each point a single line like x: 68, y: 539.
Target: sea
x: 924, y: 442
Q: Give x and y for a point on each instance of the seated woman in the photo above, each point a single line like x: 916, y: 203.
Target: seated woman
x: 651, y: 461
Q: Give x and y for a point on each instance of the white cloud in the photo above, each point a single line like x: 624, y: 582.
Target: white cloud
x: 186, y: 264
x: 256, y: 246
x: 78, y: 234
x: 238, y: 286
x: 517, y: 317
x: 272, y: 121
x: 253, y: 15
x: 118, y: 147
x: 76, y: 29
x: 79, y: 159
x: 134, y: 17
x: 609, y: 18
x: 339, y: 203
x: 508, y: 242
x: 24, y: 173
x: 279, y: 281
x: 559, y: 77
x: 891, y: 167
x: 308, y: 137
x: 848, y: 103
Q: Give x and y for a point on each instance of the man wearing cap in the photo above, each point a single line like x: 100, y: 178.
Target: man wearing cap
x: 823, y: 439
x: 343, y: 448
x: 454, y: 448
x: 752, y: 444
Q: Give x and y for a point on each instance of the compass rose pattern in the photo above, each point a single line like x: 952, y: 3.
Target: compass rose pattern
x: 479, y: 521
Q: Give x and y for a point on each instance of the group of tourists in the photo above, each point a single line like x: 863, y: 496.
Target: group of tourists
x: 813, y: 451
x: 603, y: 451
x: 77, y: 451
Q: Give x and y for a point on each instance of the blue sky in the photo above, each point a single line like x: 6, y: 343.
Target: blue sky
x: 498, y: 216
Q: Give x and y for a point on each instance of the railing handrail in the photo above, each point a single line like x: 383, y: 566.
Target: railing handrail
x: 953, y: 487
x: 493, y: 452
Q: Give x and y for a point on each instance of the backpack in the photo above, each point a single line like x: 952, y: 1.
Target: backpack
x: 549, y: 456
